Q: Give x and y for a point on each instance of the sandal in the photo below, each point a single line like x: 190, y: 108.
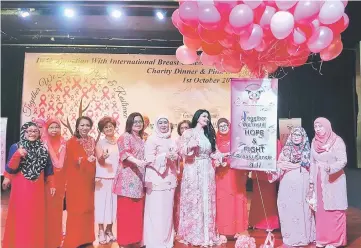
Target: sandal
x: 110, y: 237
x: 102, y: 238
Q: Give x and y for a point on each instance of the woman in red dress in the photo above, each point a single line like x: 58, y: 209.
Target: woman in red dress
x: 28, y: 168
x: 129, y: 183
x: 79, y: 168
x: 54, y: 205
x: 232, y: 212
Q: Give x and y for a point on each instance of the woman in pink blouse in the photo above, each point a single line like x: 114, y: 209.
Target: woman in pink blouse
x: 128, y: 183
x: 160, y: 182
x: 328, y: 182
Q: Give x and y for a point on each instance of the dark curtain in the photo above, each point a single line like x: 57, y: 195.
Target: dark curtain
x: 303, y: 92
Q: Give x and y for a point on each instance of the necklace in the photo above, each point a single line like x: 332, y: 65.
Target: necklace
x: 113, y: 141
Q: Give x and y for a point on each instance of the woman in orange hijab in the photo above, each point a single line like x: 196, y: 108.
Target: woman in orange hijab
x: 54, y: 205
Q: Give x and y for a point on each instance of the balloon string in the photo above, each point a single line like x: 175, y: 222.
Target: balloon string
x: 264, y: 208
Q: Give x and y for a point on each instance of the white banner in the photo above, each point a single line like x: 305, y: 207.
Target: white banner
x: 254, y: 124
x: 285, y: 127
x: 3, y: 125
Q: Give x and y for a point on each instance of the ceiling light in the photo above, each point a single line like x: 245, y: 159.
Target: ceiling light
x: 160, y: 15
x: 24, y: 14
x: 69, y: 12
x: 116, y: 13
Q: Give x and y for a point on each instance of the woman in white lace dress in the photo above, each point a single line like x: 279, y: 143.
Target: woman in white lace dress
x: 197, y: 225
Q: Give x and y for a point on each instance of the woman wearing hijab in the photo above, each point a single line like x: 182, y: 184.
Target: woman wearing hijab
x: 41, y: 125
x: 79, y: 167
x: 232, y: 212
x: 129, y: 183
x: 160, y: 183
x: 29, y: 167
x: 328, y: 182
x: 55, y: 145
x: 297, y: 221
x: 106, y: 166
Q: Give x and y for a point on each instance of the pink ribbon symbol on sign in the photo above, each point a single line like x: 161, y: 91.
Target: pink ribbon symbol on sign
x: 85, y: 92
x: 68, y: 80
x: 116, y: 117
x: 36, y: 110
x: 90, y: 113
x: 59, y: 109
x: 42, y: 113
x: 106, y: 106
x: 97, y: 105
x: 50, y: 88
x: 94, y: 97
x: 52, y: 96
x: 93, y: 84
x: 57, y: 98
x: 106, y: 93
x: 51, y: 105
x: 113, y: 95
x: 58, y: 86
x: 96, y: 115
x: 66, y: 91
x: 76, y: 83
x: 43, y: 100
x: 73, y: 117
x: 114, y: 105
x: 65, y: 130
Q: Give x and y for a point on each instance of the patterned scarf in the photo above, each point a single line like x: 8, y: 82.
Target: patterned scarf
x: 88, y: 143
x: 297, y: 153
x: 37, y: 156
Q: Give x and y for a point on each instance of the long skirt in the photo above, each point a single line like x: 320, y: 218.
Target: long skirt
x: 158, y: 219
x: 129, y: 220
x: 330, y: 225
x: 105, y: 202
x: 25, y: 223
x: 54, y: 210
x: 257, y: 216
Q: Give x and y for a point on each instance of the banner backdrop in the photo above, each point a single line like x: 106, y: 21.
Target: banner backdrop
x: 3, y: 126
x: 254, y: 124
x: 285, y: 127
x: 70, y: 85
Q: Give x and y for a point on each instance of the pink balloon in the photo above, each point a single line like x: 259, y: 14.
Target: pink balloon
x: 193, y: 44
x: 331, y: 12
x: 299, y: 36
x: 209, y: 60
x: 241, y: 16
x: 253, y: 3
x: 282, y: 24
x: 320, y: 39
x: 205, y: 2
x: 175, y: 18
x: 306, y: 11
x: 228, y: 41
x: 186, y: 55
x: 285, y: 5
x: 231, y: 65
x: 254, y: 39
x: 225, y: 6
x: 188, y: 13
x: 265, y: 20
x: 261, y: 47
x: 219, y: 66
x: 333, y: 50
x: 208, y: 16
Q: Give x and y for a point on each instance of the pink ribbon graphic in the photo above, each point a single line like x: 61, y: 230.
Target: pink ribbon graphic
x: 52, y: 96
x: 73, y: 117
x: 85, y: 92
x: 59, y: 109
x: 105, y: 92
x: 97, y: 105
x: 58, y: 86
x: 113, y: 95
x: 57, y: 98
x: 50, y: 88
x: 66, y: 91
x: 115, y: 115
x: 94, y: 97
x: 51, y: 105
x: 42, y: 113
x: 93, y: 84
x: 90, y: 113
x: 76, y: 82
x: 114, y: 105
x: 36, y: 110
x: 43, y: 100
x: 106, y: 106
x: 65, y: 131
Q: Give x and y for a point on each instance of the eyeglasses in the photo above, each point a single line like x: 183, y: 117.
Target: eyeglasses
x: 138, y: 122
x: 32, y: 131
x: 223, y: 126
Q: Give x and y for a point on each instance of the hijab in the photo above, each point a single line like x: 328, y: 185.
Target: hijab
x: 55, y: 144
x: 157, y: 132
x: 297, y: 153
x: 42, y: 123
x: 223, y: 140
x: 37, y: 156
x: 322, y: 143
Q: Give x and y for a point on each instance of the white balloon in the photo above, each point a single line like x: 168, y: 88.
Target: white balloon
x: 331, y: 12
x: 282, y: 24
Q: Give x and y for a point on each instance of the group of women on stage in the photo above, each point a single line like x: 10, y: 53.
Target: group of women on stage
x: 159, y: 190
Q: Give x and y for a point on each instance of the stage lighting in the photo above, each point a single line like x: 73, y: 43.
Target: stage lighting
x: 24, y: 13
x: 160, y: 15
x: 69, y: 12
x: 116, y: 13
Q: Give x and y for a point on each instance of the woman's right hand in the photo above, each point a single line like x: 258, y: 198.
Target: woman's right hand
x: 310, y: 191
x: 22, y: 152
x: 6, y: 183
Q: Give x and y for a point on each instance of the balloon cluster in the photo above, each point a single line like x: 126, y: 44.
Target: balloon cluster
x: 261, y: 35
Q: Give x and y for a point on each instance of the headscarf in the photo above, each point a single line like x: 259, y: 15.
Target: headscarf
x: 157, y: 132
x: 297, y: 153
x: 42, y: 123
x: 223, y: 140
x: 37, y: 156
x: 322, y: 143
x: 55, y: 145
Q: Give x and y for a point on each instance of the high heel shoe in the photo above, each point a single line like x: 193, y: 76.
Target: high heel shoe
x: 110, y: 237
x: 102, y: 238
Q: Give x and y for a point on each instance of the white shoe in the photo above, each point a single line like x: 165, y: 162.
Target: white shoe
x: 330, y: 246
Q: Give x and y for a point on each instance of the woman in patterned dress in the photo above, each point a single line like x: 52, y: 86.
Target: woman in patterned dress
x: 197, y: 223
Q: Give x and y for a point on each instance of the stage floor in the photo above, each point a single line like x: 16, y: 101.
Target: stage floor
x: 353, y: 228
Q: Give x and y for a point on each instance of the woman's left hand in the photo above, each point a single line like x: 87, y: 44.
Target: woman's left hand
x: 52, y: 191
x: 327, y: 168
x: 91, y: 158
